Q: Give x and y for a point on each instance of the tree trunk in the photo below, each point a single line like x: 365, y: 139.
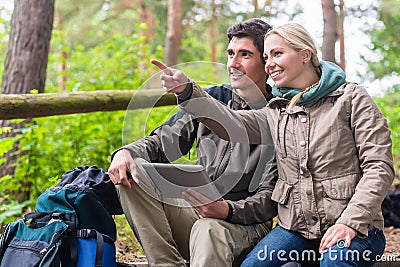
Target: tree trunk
x: 330, y: 30
x: 146, y: 16
x: 26, y: 62
x: 213, y: 50
x: 174, y: 32
x: 28, y: 48
x: 41, y: 105
x: 342, y: 62
x: 255, y: 4
x: 213, y: 33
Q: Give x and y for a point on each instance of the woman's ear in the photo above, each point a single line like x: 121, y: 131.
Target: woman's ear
x: 305, y: 55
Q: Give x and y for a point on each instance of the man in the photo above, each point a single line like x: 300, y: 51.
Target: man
x: 220, y: 232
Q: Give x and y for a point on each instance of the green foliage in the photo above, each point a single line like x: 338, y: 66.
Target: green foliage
x: 90, y: 22
x: 125, y: 236
x: 385, y: 42
x: 13, y: 209
x: 389, y: 105
x: 192, y: 50
x: 4, y: 25
x: 50, y: 146
x: 58, y: 144
x: 121, y: 62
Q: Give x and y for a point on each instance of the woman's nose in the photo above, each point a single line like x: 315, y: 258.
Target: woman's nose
x: 269, y: 64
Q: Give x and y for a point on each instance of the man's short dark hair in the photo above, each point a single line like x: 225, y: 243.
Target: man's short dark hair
x: 254, y: 29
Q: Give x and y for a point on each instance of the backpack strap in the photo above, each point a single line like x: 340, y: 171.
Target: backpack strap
x: 5, y: 239
x: 73, y: 247
x: 40, y: 219
x: 92, y: 233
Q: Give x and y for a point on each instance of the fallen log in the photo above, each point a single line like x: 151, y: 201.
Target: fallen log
x: 22, y: 106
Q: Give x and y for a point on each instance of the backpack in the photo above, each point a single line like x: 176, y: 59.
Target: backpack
x: 69, y: 227
x: 391, y: 209
x: 21, y: 245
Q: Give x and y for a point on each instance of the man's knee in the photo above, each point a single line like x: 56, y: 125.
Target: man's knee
x: 210, y: 241
x: 123, y: 192
x: 210, y: 235
x: 207, y: 228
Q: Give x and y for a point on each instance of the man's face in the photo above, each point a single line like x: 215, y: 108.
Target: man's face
x: 245, y: 67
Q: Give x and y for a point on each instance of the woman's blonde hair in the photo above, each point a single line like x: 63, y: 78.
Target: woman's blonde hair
x: 299, y: 39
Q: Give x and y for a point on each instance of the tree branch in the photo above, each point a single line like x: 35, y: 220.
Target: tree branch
x: 21, y: 106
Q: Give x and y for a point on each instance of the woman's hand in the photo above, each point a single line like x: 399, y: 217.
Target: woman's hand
x: 172, y: 80
x: 336, y: 233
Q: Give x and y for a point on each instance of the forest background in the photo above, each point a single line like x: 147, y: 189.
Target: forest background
x: 99, y: 45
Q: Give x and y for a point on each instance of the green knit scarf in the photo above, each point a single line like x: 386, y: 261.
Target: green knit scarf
x: 332, y: 77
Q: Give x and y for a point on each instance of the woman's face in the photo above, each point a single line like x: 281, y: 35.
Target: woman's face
x: 283, y: 64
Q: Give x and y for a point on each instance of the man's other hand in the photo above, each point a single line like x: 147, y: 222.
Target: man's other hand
x: 208, y: 209
x: 122, y: 169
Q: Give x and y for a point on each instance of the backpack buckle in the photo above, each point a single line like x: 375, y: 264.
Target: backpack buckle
x: 86, y: 233
x: 57, y: 216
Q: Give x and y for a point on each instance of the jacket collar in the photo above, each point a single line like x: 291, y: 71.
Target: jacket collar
x: 239, y: 102
x: 279, y: 100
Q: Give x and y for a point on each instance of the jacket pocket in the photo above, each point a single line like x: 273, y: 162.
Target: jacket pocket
x: 337, y: 193
x: 281, y: 192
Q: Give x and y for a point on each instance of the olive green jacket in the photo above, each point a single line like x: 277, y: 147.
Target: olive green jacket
x: 245, y: 175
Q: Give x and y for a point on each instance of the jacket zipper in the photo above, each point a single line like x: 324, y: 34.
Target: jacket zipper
x: 224, y: 162
x: 225, y: 159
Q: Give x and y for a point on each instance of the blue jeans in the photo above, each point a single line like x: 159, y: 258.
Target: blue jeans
x: 281, y: 246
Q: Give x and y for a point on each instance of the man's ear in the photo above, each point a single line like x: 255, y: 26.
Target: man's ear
x: 305, y: 55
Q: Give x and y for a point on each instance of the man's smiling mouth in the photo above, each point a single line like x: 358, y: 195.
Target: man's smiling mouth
x: 236, y: 73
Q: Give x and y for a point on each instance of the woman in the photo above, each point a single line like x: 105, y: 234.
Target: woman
x: 334, y: 156
x: 333, y: 151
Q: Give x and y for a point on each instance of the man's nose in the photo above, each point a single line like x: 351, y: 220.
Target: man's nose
x: 234, y: 62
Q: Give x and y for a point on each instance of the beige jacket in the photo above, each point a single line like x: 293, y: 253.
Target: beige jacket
x: 334, y: 156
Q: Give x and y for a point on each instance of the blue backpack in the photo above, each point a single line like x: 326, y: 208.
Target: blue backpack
x: 70, y: 226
